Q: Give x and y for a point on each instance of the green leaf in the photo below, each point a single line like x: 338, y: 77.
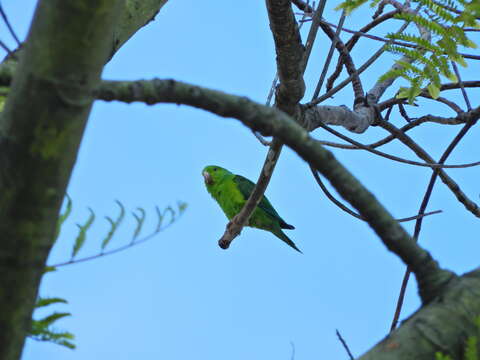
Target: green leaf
x: 440, y: 356
x: 113, y: 225
x: 409, y: 93
x: 452, y: 77
x: 41, y: 330
x: 122, y: 213
x: 160, y: 219
x: 41, y: 302
x: 140, y: 220
x: 433, y: 90
x: 41, y: 333
x: 471, y: 44
x: 109, y: 236
x: 82, y: 233
x: 2, y: 102
x: 64, y: 216
x: 460, y: 60
x: 402, y: 93
x: 170, y: 210
x: 48, y: 269
x: 471, y: 350
x: 182, y: 206
x: 50, y: 319
x: 350, y: 5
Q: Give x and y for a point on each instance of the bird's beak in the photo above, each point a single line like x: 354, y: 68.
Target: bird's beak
x: 208, y: 178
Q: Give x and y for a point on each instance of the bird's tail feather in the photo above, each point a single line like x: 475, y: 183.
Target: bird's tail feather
x: 281, y: 235
x: 284, y: 225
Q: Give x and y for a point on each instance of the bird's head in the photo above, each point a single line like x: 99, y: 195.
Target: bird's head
x: 212, y: 174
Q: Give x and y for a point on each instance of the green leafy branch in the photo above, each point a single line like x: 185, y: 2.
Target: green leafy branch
x: 139, y: 215
x: 43, y: 330
x: 431, y: 59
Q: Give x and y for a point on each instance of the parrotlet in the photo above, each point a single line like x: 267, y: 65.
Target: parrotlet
x: 232, y: 191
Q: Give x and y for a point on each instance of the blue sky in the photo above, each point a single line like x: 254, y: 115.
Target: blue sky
x: 180, y: 296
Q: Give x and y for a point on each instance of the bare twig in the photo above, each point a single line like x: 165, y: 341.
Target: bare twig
x: 348, y: 61
x: 449, y: 86
x: 444, y: 101
x: 261, y: 139
x: 423, y: 206
x: 9, y: 26
x: 393, y: 157
x: 403, y: 112
x: 329, y: 56
x: 412, y: 124
x: 332, y: 198
x: 361, y: 69
x: 377, y: 91
x: 449, y: 8
x: 292, y: 344
x: 351, y: 43
x: 312, y: 34
x: 272, y: 89
x: 302, y: 5
x: 422, y: 154
x: 5, y: 47
x: 345, y: 346
x: 460, y: 82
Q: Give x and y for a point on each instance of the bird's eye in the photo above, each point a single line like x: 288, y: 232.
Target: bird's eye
x: 214, y: 169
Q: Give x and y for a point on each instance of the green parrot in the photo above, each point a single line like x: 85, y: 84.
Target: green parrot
x: 231, y: 193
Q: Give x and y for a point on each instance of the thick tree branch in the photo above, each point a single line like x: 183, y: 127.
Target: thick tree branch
x: 291, y: 61
x: 440, y: 326
x: 136, y: 14
x: 40, y: 131
x: 272, y: 122
x: 290, y: 54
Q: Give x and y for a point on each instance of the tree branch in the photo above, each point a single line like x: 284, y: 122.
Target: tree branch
x: 440, y: 326
x: 41, y: 128
x: 447, y: 180
x: 272, y: 122
x: 291, y: 61
x: 290, y: 53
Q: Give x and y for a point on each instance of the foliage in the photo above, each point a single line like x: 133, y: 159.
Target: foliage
x: 428, y: 56
x: 42, y: 330
x: 139, y: 215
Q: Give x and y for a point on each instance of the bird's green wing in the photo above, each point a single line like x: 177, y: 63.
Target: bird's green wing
x: 246, y: 187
